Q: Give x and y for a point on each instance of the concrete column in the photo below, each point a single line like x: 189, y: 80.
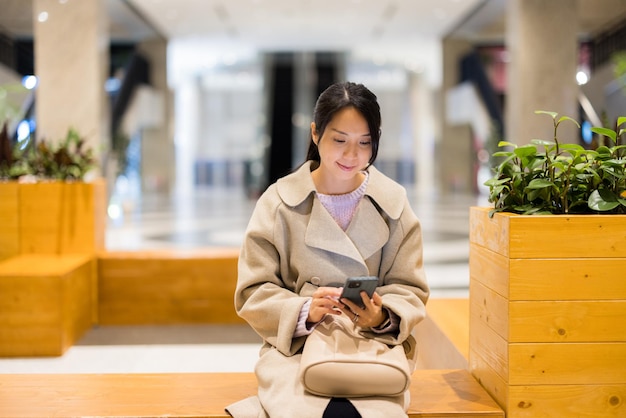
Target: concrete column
x: 188, y: 105
x: 423, y: 112
x: 541, y: 37
x: 158, y: 164
x: 71, y: 62
x: 455, y: 151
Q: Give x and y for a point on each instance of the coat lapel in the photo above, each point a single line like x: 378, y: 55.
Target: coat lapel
x: 366, y: 234
x: 368, y: 229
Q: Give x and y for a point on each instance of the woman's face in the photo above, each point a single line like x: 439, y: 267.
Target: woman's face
x: 345, y: 149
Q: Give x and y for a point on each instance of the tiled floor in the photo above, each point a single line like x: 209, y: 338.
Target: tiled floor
x: 219, y: 218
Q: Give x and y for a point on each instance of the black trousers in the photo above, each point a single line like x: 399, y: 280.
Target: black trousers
x: 340, y: 408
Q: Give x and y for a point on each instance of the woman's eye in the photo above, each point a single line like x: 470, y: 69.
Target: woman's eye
x: 366, y: 143
x: 341, y: 141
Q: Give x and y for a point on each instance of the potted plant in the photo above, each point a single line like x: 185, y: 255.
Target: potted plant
x: 563, y: 178
x: 47, y: 206
x: 547, y: 289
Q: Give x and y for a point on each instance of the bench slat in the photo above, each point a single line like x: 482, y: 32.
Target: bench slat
x: 434, y: 393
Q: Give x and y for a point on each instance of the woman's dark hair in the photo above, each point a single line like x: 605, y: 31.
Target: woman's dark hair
x: 337, y: 97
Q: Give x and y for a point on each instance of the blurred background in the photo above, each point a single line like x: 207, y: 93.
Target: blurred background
x: 193, y: 107
x: 214, y: 94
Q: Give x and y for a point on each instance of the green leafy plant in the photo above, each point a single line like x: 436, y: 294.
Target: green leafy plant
x: 12, y: 164
x: 550, y: 177
x: 66, y: 160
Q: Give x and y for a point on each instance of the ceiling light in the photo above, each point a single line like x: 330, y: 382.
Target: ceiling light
x: 582, y: 78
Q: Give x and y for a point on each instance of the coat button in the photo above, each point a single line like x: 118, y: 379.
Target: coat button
x: 316, y: 280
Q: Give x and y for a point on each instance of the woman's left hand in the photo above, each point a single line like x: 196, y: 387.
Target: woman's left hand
x: 371, y: 316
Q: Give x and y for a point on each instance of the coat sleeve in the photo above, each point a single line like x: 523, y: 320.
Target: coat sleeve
x: 405, y: 290
x: 262, y: 296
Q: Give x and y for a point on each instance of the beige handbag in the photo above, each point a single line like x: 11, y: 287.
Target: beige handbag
x: 338, y: 361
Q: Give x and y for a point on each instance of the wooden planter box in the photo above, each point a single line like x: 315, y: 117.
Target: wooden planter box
x: 167, y: 287
x: 9, y: 220
x: 52, y: 218
x: 46, y: 303
x: 548, y: 312
x: 50, y: 233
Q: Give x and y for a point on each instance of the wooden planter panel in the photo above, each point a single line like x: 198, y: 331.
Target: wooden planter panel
x: 567, y: 321
x: 568, y: 278
x: 45, y: 303
x: 567, y: 401
x: 139, y: 287
x: 62, y: 218
x: 549, y: 279
x: 489, y: 378
x: 547, y: 309
x: 9, y: 220
x: 567, y: 363
x: 516, y: 236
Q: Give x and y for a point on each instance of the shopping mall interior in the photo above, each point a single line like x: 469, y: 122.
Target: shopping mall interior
x: 207, y: 102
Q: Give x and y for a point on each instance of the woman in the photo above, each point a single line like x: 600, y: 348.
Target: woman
x: 334, y: 217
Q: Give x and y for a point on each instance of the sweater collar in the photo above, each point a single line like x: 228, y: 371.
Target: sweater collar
x: 296, y: 187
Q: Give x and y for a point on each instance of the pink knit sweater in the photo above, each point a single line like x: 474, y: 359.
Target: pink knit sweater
x: 343, y: 206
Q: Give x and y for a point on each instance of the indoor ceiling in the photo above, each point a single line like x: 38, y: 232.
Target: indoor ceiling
x: 407, y: 31
x: 268, y: 24
x: 310, y: 24
x: 306, y: 24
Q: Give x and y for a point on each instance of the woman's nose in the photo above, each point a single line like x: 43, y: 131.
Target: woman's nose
x: 351, y: 150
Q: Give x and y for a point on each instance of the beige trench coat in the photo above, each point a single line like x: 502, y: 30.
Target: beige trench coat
x: 292, y: 246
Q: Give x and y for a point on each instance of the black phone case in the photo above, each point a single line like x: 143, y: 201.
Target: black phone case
x: 355, y: 285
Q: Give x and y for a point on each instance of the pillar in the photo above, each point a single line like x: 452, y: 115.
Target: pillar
x: 541, y: 37
x: 158, y: 168
x: 71, y: 63
x: 422, y: 114
x: 454, y: 151
x: 188, y: 102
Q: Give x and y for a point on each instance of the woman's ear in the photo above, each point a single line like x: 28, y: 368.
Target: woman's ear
x: 314, y: 135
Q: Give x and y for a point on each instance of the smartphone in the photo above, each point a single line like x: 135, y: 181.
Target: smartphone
x: 355, y: 285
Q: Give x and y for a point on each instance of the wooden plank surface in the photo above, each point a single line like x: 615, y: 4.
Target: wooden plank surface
x: 567, y: 401
x: 567, y: 363
x: 45, y: 303
x: 9, y: 220
x: 489, y: 268
x: 28, y: 265
x: 73, y: 220
x: 597, y: 236
x: 542, y: 236
x: 567, y: 321
x: 575, y: 278
x: 434, y: 393
x: 489, y: 232
x: 490, y: 308
x: 451, y: 315
x: 167, y: 287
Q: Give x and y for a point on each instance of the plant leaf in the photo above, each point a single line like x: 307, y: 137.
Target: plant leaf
x: 506, y: 144
x: 597, y: 201
x: 553, y: 115
x: 539, y: 184
x: 605, y: 132
x: 525, y: 151
x: 568, y: 118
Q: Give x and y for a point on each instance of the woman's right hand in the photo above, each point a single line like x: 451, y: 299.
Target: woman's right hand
x: 325, y: 300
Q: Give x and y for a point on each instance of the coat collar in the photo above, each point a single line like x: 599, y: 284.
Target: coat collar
x: 298, y: 186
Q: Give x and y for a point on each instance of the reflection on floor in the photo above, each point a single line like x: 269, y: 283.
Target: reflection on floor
x: 219, y: 218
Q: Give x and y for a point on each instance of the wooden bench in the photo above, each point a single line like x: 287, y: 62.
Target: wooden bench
x: 434, y: 393
x: 46, y: 303
x: 443, y: 336
x: 167, y: 286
